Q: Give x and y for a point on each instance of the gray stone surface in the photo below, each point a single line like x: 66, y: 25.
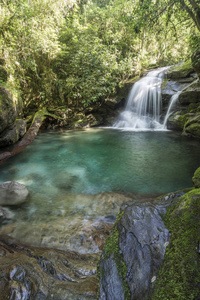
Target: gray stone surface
x: 143, y: 239
x: 11, y: 136
x: 13, y: 193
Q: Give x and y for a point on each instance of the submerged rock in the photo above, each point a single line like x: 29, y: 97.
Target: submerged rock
x: 82, y: 228
x: 30, y: 273
x: 13, y: 193
x: 5, y: 214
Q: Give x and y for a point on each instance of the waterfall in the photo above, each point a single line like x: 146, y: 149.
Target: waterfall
x: 173, y: 100
x: 142, y: 111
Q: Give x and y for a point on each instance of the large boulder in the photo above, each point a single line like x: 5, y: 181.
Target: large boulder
x: 11, y: 136
x: 13, y: 193
x: 133, y: 253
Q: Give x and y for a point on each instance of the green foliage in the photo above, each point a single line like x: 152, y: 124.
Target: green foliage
x: 179, y: 275
x: 60, y: 52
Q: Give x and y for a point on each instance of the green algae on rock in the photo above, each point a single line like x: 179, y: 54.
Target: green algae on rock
x: 196, y: 178
x: 181, y: 71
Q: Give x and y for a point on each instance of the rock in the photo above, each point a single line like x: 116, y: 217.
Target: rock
x: 179, y: 275
x: 190, y: 94
x: 40, y: 274
x: 192, y: 126
x: 196, y: 178
x: 7, y: 110
x: 177, y: 120
x: 5, y: 214
x: 13, y: 193
x: 181, y: 70
x: 84, y: 228
x: 11, y: 136
x: 133, y: 253
x: 95, y: 120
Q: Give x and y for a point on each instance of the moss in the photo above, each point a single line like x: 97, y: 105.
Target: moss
x: 192, y: 130
x: 182, y: 120
x: 196, y: 178
x: 179, y: 276
x: 187, y: 65
x: 112, y: 248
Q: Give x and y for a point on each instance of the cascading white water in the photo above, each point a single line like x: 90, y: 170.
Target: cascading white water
x: 143, y: 106
x: 173, y: 100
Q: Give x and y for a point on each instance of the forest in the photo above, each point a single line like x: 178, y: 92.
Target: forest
x: 105, y: 203
x: 75, y: 53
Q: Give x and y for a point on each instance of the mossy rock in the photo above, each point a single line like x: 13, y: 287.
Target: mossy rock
x: 177, y: 120
x: 183, y: 70
x: 179, y: 276
x: 190, y: 94
x: 192, y: 126
x: 11, y: 136
x: 192, y: 131
x: 196, y: 178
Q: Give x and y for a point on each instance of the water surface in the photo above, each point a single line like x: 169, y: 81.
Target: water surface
x: 66, y: 170
x: 98, y: 160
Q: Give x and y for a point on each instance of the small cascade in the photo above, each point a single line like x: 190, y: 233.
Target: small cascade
x: 173, y: 100
x: 142, y: 111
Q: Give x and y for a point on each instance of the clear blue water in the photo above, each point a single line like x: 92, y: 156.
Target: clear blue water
x: 99, y: 160
x: 69, y: 175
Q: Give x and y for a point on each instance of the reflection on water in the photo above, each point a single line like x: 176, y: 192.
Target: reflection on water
x: 64, y: 170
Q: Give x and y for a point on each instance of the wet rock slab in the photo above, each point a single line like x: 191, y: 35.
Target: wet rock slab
x: 134, y: 251
x: 35, y: 274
